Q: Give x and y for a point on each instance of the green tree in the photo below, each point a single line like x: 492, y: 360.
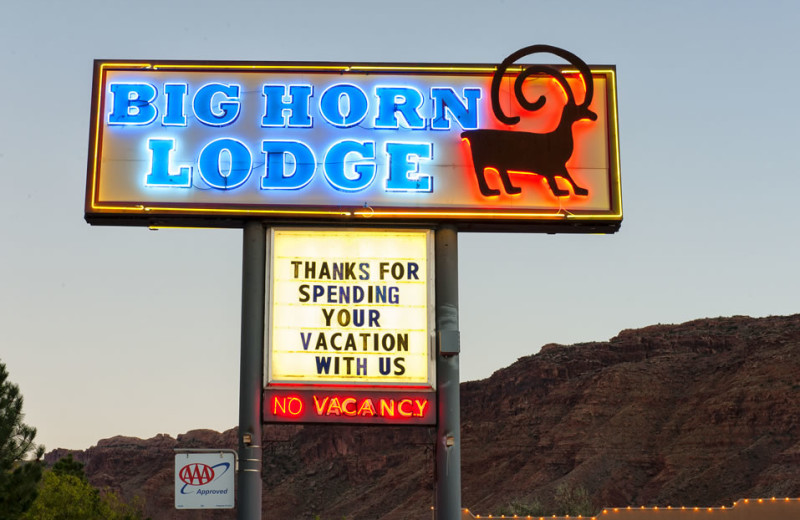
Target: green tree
x: 574, y: 501
x: 69, y: 496
x: 65, y: 497
x: 18, y: 478
x: 568, y: 500
x: 520, y: 507
x: 116, y: 509
x: 69, y: 466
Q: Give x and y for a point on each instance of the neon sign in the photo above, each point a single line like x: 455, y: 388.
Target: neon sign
x: 350, y: 314
x: 179, y: 142
x: 343, y: 406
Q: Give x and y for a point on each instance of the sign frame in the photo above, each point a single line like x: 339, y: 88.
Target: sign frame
x: 490, y: 218
x: 204, y: 457
x: 309, y: 390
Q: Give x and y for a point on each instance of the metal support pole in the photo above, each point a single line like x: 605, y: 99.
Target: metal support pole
x: 448, y: 433
x: 251, y: 370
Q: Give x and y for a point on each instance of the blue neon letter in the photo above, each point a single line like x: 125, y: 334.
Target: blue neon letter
x: 279, y: 153
x: 404, y: 174
x: 275, y: 108
x: 225, y: 163
x: 217, y: 113
x: 404, y: 100
x: 361, y: 174
x: 159, y: 174
x: 343, y: 105
x: 175, y: 94
x: 445, y: 101
x: 132, y: 104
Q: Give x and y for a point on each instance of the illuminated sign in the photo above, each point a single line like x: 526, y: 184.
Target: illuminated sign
x: 350, y: 310
x: 347, y: 405
x: 350, y: 306
x: 473, y: 145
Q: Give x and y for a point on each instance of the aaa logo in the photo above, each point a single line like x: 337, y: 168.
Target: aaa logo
x: 196, y: 474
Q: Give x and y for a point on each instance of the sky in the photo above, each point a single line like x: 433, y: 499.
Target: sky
x: 127, y: 331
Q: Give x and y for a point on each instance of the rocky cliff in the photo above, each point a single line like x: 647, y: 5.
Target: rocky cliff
x: 701, y: 413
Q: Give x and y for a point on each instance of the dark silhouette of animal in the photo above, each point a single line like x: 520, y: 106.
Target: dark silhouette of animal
x: 545, y: 154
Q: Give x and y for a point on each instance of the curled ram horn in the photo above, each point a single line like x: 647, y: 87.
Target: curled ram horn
x: 583, y: 70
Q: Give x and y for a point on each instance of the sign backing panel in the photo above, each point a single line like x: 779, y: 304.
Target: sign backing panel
x: 205, y: 480
x: 217, y: 143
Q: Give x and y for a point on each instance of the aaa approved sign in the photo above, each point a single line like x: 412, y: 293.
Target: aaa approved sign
x: 205, y: 480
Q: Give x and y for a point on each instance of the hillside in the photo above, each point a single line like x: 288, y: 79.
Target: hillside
x: 701, y: 413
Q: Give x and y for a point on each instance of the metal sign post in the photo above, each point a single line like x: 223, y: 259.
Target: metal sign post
x: 448, y: 433
x: 252, y: 365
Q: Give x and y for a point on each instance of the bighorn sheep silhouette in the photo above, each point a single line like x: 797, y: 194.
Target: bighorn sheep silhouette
x: 544, y: 154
